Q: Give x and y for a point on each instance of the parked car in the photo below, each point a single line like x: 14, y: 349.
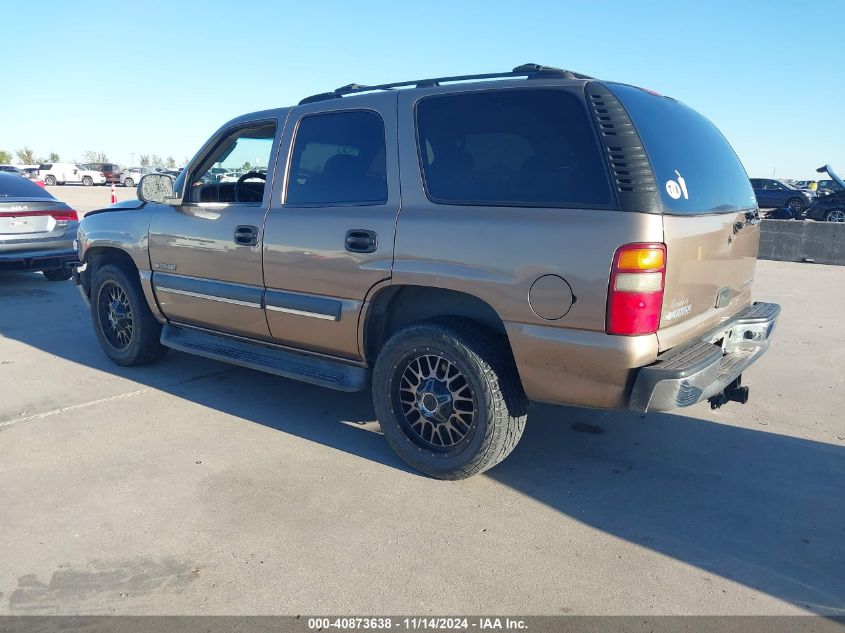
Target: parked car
x: 131, y: 176
x: 36, y: 230
x: 68, y: 173
x: 806, y: 185
x: 32, y: 174
x: 774, y: 194
x: 11, y: 169
x: 828, y: 186
x: 829, y: 208
x: 463, y: 246
x: 111, y: 171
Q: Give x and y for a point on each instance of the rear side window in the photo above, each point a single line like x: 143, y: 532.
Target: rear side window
x: 510, y: 148
x: 339, y: 158
x: 12, y: 186
x: 696, y: 169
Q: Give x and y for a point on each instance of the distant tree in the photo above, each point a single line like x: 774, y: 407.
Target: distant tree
x: 94, y: 157
x: 145, y: 160
x: 171, y: 162
x: 5, y: 157
x: 156, y: 160
x: 246, y: 166
x: 54, y: 158
x: 26, y: 156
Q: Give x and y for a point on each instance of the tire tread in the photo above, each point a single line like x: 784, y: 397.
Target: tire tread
x: 495, y: 363
x: 147, y: 348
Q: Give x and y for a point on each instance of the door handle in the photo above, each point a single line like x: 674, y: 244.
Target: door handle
x: 246, y: 235
x: 361, y: 241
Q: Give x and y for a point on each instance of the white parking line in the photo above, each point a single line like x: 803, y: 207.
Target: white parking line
x: 47, y: 414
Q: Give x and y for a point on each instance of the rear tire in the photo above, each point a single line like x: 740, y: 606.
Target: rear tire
x: 50, y: 181
x: 125, y: 327
x: 128, y: 182
x: 87, y: 181
x: 58, y: 274
x: 448, y: 398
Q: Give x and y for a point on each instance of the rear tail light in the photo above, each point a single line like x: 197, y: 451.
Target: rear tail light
x: 67, y: 215
x: 635, y: 293
x: 60, y: 215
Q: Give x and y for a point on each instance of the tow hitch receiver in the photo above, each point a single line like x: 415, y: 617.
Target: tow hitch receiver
x: 734, y: 392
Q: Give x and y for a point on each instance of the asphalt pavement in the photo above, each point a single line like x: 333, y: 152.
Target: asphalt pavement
x: 190, y: 486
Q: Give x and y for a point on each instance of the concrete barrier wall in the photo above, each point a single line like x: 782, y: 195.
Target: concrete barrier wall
x: 791, y: 241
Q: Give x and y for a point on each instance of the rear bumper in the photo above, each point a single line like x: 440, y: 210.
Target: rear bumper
x: 37, y: 260
x: 690, y: 373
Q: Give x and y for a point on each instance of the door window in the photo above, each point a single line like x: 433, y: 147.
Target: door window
x: 338, y: 159
x: 235, y: 171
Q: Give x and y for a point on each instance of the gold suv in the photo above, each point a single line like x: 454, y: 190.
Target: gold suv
x: 463, y: 244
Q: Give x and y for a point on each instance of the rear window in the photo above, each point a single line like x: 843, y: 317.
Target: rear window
x: 696, y: 169
x: 12, y: 186
x: 510, y: 148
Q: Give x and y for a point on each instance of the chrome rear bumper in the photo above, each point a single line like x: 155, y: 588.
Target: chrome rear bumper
x: 690, y: 373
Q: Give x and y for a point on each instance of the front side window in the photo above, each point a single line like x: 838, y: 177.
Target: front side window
x: 338, y: 158
x: 510, y: 147
x: 236, y: 169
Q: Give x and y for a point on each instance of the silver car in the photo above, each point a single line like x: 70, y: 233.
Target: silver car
x: 36, y: 230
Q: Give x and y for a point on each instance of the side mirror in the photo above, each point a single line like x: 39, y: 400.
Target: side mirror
x: 156, y: 188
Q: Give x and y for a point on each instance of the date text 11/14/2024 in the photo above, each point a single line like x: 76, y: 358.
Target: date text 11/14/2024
x: 417, y: 623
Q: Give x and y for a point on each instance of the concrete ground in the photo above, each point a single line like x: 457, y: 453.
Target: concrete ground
x: 196, y: 487
x: 85, y: 199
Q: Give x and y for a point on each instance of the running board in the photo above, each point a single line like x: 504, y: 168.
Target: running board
x: 311, y: 369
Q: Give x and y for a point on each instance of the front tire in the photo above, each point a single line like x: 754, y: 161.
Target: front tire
x: 835, y: 215
x: 58, y: 274
x: 796, y: 205
x: 448, y: 398
x: 126, y: 329
x: 87, y: 181
x: 128, y: 182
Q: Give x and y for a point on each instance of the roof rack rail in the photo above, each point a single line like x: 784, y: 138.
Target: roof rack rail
x: 529, y: 71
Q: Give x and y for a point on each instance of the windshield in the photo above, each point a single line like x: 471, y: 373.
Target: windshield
x: 696, y: 169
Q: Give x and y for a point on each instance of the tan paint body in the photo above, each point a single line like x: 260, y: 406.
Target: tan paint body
x: 492, y: 253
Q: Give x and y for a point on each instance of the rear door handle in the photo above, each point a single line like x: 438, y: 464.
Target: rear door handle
x: 361, y: 241
x: 246, y: 235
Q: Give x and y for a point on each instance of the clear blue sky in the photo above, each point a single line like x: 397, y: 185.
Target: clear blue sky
x: 160, y: 76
